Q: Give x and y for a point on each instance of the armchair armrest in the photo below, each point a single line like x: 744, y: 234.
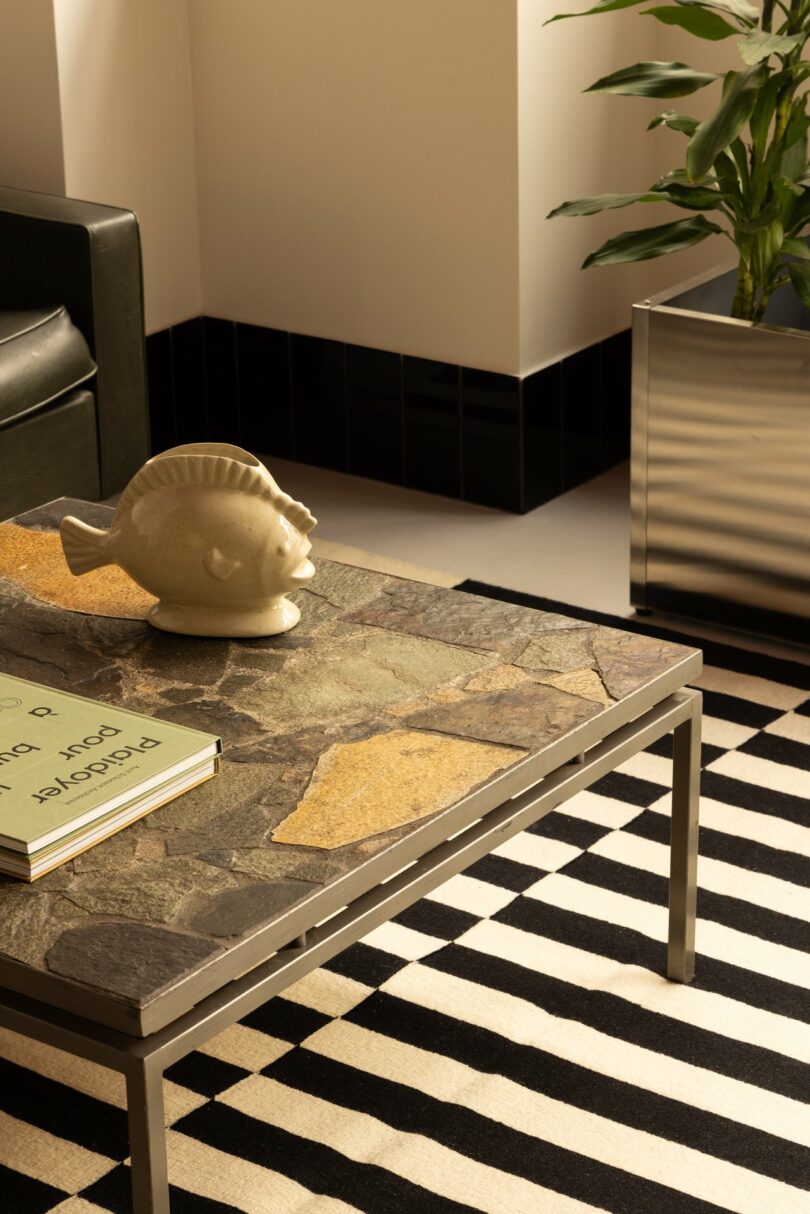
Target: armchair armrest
x: 56, y: 250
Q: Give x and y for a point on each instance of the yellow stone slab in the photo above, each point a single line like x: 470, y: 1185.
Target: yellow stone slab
x: 391, y: 779
x: 499, y: 678
x: 584, y: 683
x: 35, y: 561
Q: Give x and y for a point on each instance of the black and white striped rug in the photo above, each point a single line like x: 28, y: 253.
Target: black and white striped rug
x: 508, y: 1044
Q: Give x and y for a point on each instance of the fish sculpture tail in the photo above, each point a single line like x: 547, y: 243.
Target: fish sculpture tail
x: 85, y: 547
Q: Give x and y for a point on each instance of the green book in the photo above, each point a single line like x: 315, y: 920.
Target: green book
x: 73, y: 771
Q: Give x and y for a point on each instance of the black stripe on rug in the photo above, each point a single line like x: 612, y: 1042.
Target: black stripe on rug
x: 319, y: 1168
x: 22, y: 1194
x: 490, y: 1053
x: 629, y: 947
x: 616, y: 1017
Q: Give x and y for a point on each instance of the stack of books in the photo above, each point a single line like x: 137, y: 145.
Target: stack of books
x: 74, y: 771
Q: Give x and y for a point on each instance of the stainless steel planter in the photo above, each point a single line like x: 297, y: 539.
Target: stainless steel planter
x: 721, y: 460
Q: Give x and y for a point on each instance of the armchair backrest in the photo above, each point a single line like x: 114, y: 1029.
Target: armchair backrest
x: 88, y: 257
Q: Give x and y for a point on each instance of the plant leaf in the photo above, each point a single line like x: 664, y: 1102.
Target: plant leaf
x: 740, y: 156
x: 763, y: 112
x: 759, y: 44
x: 652, y: 242
x: 799, y: 214
x: 715, y: 134
x: 653, y: 80
x: 678, y: 176
x: 603, y: 202
x: 796, y: 248
x: 675, y: 121
x: 741, y: 9
x: 701, y: 22
x: 800, y: 278
x: 693, y: 198
x: 766, y: 248
x: 794, y: 158
x: 604, y: 6
x: 786, y: 182
x: 759, y: 224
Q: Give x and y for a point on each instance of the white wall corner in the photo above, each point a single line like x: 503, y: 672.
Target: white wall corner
x: 125, y: 92
x: 358, y: 171
x: 31, y: 131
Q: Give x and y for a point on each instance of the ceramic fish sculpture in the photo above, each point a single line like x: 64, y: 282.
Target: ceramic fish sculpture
x: 206, y: 529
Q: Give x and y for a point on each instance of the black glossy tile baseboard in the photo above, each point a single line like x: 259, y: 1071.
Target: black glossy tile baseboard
x: 188, y: 363
x: 498, y: 440
x: 542, y: 436
x: 265, y: 389
x: 582, y: 416
x: 374, y: 397
x: 431, y: 394
x: 617, y: 363
x: 320, y: 423
x: 492, y: 439
x: 160, y: 386
x: 221, y: 388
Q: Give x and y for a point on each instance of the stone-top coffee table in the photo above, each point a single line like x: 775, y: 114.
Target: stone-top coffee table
x: 399, y: 733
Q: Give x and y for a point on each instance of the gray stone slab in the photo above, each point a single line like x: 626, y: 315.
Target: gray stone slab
x: 460, y: 619
x: 627, y: 661
x: 236, y: 911
x: 133, y: 959
x: 530, y: 716
x: 563, y: 650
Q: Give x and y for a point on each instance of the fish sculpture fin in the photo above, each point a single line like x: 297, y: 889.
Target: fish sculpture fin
x: 218, y: 565
x: 218, y: 465
x: 85, y: 547
x: 296, y: 513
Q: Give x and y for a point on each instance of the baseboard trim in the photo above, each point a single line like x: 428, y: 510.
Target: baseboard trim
x: 504, y: 441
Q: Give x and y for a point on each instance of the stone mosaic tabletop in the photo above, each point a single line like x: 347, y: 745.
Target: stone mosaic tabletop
x: 390, y: 702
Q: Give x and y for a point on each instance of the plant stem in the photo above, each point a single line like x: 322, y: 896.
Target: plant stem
x: 743, y: 306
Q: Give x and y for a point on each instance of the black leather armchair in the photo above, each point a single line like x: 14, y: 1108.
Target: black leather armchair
x: 90, y: 437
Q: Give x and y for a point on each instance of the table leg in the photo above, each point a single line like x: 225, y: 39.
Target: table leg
x: 684, y: 845
x: 147, y: 1139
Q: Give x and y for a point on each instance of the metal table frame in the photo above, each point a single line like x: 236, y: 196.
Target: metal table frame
x: 143, y: 1060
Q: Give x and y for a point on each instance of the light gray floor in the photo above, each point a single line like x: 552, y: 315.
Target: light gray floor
x: 574, y: 549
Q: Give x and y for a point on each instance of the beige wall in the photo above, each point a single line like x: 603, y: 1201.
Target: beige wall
x: 357, y: 167
x: 128, y: 128
x: 574, y: 144
x: 31, y: 128
x: 376, y: 171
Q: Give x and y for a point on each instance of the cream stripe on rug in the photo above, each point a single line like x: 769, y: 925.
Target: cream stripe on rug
x: 572, y: 1128
x: 703, y: 1009
x: 747, y: 824
x: 411, y: 1156
x: 220, y: 1176
x: 606, y: 1055
x: 712, y: 939
x: 714, y: 875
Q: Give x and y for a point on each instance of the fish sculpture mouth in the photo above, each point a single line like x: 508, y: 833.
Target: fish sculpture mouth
x: 303, y: 572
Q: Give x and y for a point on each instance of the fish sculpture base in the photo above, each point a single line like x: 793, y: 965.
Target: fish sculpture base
x: 267, y: 621
x: 207, y: 531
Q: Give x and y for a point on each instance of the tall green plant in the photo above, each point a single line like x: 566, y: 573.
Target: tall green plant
x: 746, y: 164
